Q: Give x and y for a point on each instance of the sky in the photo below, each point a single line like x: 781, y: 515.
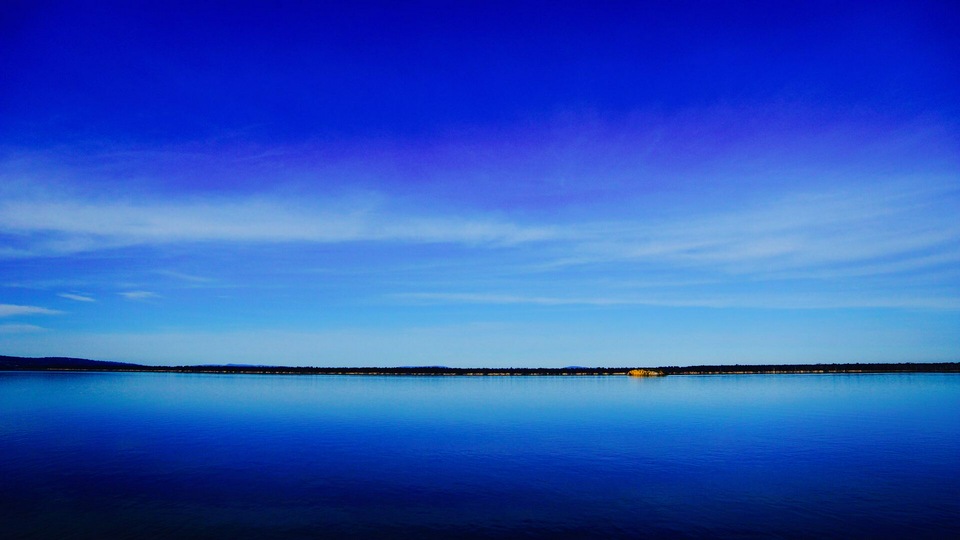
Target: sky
x: 471, y: 184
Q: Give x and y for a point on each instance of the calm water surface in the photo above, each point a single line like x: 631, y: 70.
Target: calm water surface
x: 115, y: 455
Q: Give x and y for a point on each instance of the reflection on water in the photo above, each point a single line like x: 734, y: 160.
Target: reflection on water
x: 240, y: 456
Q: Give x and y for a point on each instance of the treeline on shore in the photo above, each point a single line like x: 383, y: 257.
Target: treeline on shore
x: 906, y: 367
x: 16, y: 363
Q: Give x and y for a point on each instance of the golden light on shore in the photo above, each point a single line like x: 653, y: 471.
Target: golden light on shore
x: 645, y: 373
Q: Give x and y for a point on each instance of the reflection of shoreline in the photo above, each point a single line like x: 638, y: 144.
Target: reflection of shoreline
x: 14, y: 363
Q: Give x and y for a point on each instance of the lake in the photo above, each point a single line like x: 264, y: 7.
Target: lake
x: 140, y: 455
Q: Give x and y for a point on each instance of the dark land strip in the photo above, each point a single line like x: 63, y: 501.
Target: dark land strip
x: 16, y: 363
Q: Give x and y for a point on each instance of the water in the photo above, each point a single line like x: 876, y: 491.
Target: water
x: 117, y: 455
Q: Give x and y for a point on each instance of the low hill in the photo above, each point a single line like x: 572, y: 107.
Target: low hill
x: 60, y: 362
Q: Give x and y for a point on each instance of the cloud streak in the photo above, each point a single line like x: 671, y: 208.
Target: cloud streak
x: 874, y: 229
x: 863, y: 232
x: 189, y: 278
x: 13, y: 310
x: 20, y: 328
x: 139, y: 295
x: 48, y: 227
x: 76, y: 297
x: 795, y: 244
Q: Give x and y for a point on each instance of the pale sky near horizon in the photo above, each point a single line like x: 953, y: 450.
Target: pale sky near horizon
x: 480, y: 184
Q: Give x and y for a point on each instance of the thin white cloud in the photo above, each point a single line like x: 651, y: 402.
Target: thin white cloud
x: 139, y: 295
x: 59, y: 226
x: 12, y: 310
x: 190, y: 278
x: 77, y: 297
x: 793, y: 231
x: 20, y: 328
x: 484, y: 298
x: 862, y: 229
x: 864, y: 232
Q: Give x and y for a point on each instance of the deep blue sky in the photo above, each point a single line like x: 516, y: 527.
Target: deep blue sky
x: 515, y: 184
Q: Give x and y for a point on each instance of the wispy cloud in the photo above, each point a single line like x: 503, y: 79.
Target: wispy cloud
x: 877, y: 229
x: 12, y: 310
x: 58, y: 226
x: 781, y: 241
x: 863, y: 232
x: 487, y: 298
x: 20, y: 328
x: 139, y: 295
x: 190, y: 278
x: 77, y: 297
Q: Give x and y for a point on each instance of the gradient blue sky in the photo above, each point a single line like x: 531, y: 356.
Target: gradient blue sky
x: 480, y: 184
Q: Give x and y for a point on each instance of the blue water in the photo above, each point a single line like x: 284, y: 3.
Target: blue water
x: 115, y: 455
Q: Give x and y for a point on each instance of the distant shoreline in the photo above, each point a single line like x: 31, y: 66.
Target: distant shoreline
x: 66, y: 364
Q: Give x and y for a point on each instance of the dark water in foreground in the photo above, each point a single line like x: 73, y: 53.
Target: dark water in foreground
x: 125, y: 455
